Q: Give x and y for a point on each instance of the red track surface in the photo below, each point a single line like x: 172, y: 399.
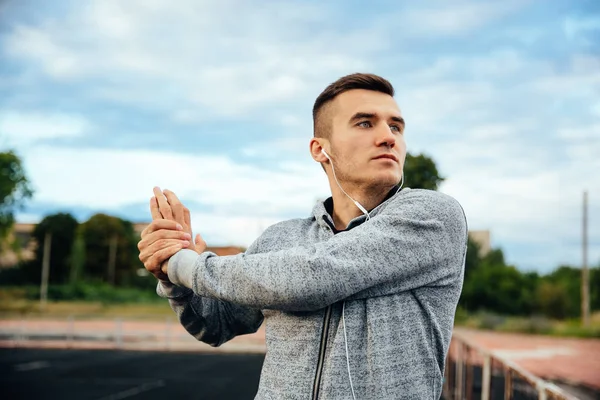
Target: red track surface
x: 568, y: 360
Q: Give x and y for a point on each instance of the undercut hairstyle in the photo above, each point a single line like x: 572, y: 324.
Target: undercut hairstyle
x: 322, y: 124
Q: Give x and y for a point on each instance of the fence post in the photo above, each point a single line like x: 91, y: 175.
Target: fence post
x: 469, y: 374
x: 486, y: 378
x: 507, y: 383
x: 458, y: 381
x: 542, y: 395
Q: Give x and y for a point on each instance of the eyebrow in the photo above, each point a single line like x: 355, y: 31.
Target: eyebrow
x: 363, y: 115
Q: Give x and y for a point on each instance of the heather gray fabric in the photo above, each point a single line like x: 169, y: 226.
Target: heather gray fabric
x: 400, y: 274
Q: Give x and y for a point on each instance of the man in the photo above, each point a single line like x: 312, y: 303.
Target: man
x: 358, y: 299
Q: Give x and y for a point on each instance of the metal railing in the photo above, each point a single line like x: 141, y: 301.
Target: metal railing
x: 473, y: 372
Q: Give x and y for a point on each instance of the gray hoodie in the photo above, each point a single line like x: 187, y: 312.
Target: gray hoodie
x: 398, y: 277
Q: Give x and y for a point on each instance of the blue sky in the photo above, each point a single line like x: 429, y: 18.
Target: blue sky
x: 105, y: 99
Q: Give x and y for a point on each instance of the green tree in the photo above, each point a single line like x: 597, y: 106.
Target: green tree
x: 420, y: 172
x: 97, y: 233
x: 14, y: 189
x: 552, y: 300
x: 492, y: 285
x: 569, y: 279
x: 78, y: 256
x: 62, y: 227
x: 472, y: 260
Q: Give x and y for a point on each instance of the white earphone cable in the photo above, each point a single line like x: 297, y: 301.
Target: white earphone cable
x: 361, y: 208
x: 347, y: 354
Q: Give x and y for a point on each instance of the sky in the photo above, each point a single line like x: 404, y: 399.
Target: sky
x: 105, y: 99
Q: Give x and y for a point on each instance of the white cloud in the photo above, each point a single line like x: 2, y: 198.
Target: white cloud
x: 25, y: 128
x: 110, y: 178
x: 168, y: 58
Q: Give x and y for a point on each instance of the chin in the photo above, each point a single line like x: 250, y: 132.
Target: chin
x: 386, y: 180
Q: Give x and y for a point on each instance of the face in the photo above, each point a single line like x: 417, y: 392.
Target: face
x: 367, y: 141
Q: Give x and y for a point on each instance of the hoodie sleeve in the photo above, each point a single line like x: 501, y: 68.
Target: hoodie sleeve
x: 420, y: 240
x: 210, y: 320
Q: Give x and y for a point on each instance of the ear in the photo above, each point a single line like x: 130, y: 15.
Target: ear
x: 316, y: 146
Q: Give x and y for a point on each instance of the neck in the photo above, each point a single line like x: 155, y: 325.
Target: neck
x: 344, y: 209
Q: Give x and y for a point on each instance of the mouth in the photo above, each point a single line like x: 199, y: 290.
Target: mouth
x: 388, y: 156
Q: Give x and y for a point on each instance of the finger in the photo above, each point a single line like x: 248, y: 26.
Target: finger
x: 161, y: 256
x: 163, y: 205
x: 162, y: 244
x: 161, y: 234
x: 166, y: 224
x: 153, y: 267
x: 187, y: 219
x: 176, y: 206
x: 154, y: 208
x: 149, y: 252
x: 200, y: 244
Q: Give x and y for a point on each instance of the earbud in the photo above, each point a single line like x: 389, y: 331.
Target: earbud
x: 325, y: 154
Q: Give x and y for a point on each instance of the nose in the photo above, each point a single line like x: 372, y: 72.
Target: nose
x: 385, y: 136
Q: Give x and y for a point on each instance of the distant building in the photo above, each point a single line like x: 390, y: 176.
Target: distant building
x: 482, y: 238
x: 25, y: 246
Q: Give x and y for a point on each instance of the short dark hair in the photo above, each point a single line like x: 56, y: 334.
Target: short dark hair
x: 373, y: 82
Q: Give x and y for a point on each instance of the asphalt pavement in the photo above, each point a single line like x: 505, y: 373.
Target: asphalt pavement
x: 117, y: 374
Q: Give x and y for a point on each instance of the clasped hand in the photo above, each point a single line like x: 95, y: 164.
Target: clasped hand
x: 169, y: 232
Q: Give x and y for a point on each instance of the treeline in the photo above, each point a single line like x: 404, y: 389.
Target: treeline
x: 102, y: 249
x: 492, y: 285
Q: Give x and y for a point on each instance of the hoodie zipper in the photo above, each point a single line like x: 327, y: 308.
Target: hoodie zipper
x: 324, y: 336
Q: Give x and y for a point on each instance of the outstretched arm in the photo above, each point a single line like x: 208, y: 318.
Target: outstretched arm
x: 422, y: 243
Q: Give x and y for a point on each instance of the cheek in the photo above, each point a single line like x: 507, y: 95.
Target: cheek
x: 401, y: 142
x: 401, y: 146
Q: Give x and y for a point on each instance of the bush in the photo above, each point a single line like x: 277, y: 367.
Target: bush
x: 490, y: 321
x: 537, y: 324
x: 98, y: 292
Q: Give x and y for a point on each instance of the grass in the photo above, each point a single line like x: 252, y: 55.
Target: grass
x: 538, y: 325
x: 18, y: 302
x: 84, y: 310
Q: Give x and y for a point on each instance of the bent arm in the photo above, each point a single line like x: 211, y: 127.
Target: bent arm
x: 210, y: 320
x: 421, y: 243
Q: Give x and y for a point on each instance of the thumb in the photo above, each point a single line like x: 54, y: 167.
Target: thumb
x: 200, y: 244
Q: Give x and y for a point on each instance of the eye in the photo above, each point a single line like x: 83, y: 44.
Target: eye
x: 364, y: 124
x: 396, y: 128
